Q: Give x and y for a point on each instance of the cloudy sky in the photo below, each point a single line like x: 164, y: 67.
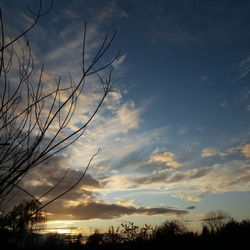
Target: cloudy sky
x: 175, y: 133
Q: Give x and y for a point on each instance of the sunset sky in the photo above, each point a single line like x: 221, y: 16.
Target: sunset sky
x: 175, y: 135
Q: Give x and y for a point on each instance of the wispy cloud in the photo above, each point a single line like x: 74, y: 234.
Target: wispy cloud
x: 118, y: 63
x: 244, y: 67
x: 241, y: 149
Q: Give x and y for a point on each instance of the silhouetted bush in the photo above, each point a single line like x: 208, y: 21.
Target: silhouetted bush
x: 171, y: 235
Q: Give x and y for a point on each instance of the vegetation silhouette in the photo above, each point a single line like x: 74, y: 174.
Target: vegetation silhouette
x: 231, y: 234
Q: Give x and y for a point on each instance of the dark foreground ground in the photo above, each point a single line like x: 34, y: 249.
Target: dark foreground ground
x: 171, y: 235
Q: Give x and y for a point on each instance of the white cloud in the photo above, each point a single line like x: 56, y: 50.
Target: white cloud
x: 208, y: 152
x: 110, y: 10
x: 166, y: 158
x: 187, y: 196
x: 242, y: 149
x: 188, y: 184
x: 245, y: 150
x: 128, y: 116
x: 125, y: 202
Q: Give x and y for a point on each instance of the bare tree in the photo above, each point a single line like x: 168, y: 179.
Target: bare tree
x: 35, y: 123
x: 215, y: 220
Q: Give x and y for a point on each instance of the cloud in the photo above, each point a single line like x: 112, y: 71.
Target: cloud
x: 116, y: 133
x: 188, y: 196
x: 58, y: 166
x: 245, y: 150
x: 166, y: 158
x: 191, y: 207
x: 182, y: 131
x: 208, y: 152
x: 101, y: 210
x: 41, y: 179
x: 188, y: 184
x: 126, y: 202
x: 223, y: 104
x: 166, y: 180
x: 125, y: 147
x: 128, y: 116
x: 119, y: 61
x: 110, y: 130
x: 109, y: 127
x: 244, y: 67
x: 110, y: 11
x: 63, y: 55
x: 82, y: 202
x: 241, y: 149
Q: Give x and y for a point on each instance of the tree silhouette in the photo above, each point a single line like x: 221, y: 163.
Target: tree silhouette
x: 19, y: 219
x: 215, y: 220
x: 35, y: 122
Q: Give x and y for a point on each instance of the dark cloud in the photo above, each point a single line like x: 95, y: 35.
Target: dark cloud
x: 169, y: 177
x: 148, y: 179
x: 41, y: 179
x: 81, y: 203
x: 200, y: 173
x: 50, y: 173
x: 99, y: 210
x: 185, y: 175
x: 191, y: 207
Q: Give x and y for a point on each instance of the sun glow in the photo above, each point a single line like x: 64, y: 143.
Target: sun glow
x: 64, y: 231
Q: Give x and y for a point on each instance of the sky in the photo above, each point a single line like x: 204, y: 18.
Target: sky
x: 174, y: 135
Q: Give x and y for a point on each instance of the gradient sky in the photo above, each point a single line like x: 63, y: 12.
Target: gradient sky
x: 175, y: 136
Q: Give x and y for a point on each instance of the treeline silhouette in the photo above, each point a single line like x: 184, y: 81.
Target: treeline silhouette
x: 219, y: 231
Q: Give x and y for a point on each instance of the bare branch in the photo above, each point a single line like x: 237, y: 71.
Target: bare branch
x: 35, y: 122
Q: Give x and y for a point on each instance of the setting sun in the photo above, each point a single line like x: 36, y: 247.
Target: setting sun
x: 64, y: 231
